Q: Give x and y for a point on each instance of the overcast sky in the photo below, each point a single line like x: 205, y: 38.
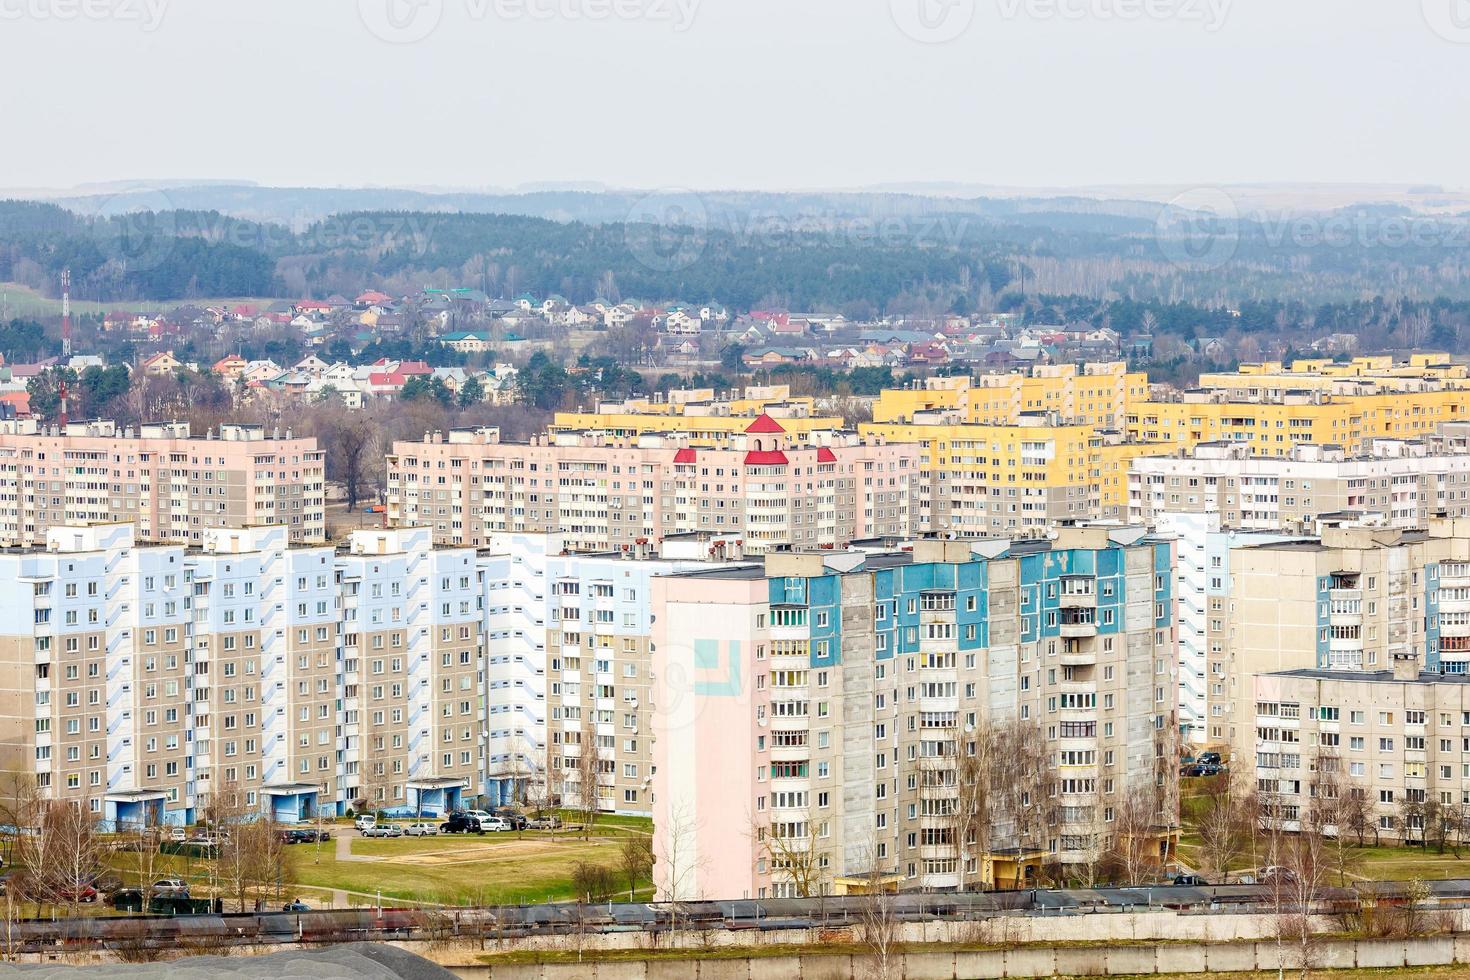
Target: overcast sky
x: 735, y: 93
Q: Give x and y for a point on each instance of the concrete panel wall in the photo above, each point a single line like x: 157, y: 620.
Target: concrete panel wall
x: 1020, y: 962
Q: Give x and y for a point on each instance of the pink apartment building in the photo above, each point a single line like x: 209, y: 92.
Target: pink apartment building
x: 173, y: 485
x: 606, y: 493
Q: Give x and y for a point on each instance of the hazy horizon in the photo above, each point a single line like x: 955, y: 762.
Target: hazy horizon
x: 736, y: 94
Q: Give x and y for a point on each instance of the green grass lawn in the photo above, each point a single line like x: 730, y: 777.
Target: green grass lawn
x: 503, y: 868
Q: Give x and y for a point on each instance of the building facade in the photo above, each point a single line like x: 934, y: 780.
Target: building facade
x: 1405, y: 482
x: 853, y: 699
x: 173, y: 486
x: 607, y: 494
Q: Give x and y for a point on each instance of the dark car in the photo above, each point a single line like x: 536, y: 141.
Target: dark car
x: 515, y: 818
x: 296, y: 905
x: 1209, y: 759
x: 1189, y: 879
x: 461, y: 824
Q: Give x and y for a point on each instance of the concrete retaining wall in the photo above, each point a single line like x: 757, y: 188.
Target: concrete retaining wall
x: 1023, y: 962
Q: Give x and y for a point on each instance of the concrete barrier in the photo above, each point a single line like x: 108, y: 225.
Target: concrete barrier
x: 773, y: 968
x: 723, y: 969
x: 615, y: 970
x: 928, y: 966
x: 1082, y: 961
x: 1429, y: 951
x: 1017, y: 962
x: 1380, y: 953
x: 1127, y: 960
x: 982, y: 963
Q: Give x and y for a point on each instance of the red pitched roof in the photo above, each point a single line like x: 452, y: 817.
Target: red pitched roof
x: 394, y: 379
x: 765, y: 424
x: 684, y: 456
x: 767, y: 458
x: 825, y: 455
x: 415, y: 367
x: 20, y: 399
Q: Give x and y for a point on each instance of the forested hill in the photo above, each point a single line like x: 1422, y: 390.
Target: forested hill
x: 861, y: 254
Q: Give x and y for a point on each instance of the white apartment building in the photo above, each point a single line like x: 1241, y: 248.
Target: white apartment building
x: 1406, y: 482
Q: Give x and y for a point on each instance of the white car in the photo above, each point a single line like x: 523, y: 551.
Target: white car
x: 480, y: 815
x: 494, y: 824
x: 421, y: 830
x: 365, y: 822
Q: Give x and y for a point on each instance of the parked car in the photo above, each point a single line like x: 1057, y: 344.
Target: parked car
x: 383, y: 830
x: 1209, y: 759
x: 495, y: 825
x: 461, y: 824
x: 477, y: 814
x: 171, y: 888
x: 1189, y: 879
x: 420, y: 829
x: 296, y: 905
x: 80, y: 892
x: 364, y: 821
x: 544, y: 823
x: 177, y: 834
x: 512, y: 816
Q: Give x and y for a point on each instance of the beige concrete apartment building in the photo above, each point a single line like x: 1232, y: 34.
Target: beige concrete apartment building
x: 1359, y: 599
x: 1395, y: 739
x: 1406, y: 482
x: 173, y: 486
x: 605, y: 494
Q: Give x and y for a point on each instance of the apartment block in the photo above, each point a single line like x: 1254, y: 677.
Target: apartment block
x: 843, y: 693
x: 1359, y: 599
x: 145, y: 678
x: 1404, y: 482
x: 1393, y: 742
x: 1273, y: 421
x: 1095, y: 395
x: 1012, y: 480
x: 412, y: 672
x: 702, y: 417
x: 1273, y: 378
x: 1203, y: 551
x: 570, y: 665
x: 606, y: 494
x: 175, y: 487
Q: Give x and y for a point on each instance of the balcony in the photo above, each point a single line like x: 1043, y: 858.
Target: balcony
x: 1077, y: 629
